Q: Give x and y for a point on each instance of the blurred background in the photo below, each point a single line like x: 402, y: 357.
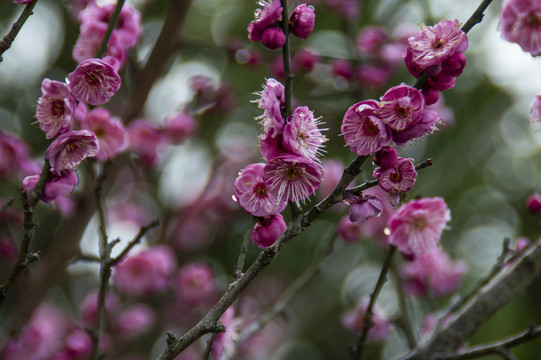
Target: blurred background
x: 486, y: 162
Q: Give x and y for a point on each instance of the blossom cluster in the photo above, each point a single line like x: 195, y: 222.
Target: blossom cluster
x: 437, y: 51
x: 94, y: 19
x: 292, y: 173
x: 266, y: 27
x: 520, y: 22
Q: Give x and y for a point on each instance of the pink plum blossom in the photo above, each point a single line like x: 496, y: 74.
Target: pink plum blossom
x: 111, y: 134
x: 89, y: 41
x: 252, y: 193
x: 268, y: 230
x: 363, y: 207
x: 77, y: 346
x: 349, y: 9
x: 271, y: 146
x: 56, y: 108
x: 401, y: 106
x: 178, y: 127
x: 371, y: 39
x: 56, y: 185
x: 433, y: 273
x: 134, y: 321
x: 94, y: 81
x: 195, y: 284
x: 292, y: 178
x: 224, y: 343
x: 417, y: 225
x: 399, y: 178
x: 342, y: 68
x: 520, y: 22
x: 145, y: 273
x: 145, y: 140
x: 302, y: 21
x: 301, y: 135
x: 89, y: 307
x: 426, y: 125
x: 363, y: 129
x: 435, y: 44
x: 348, y: 230
x: 264, y: 18
x: 305, y: 59
x: 386, y: 157
x: 15, y: 155
x: 272, y: 101
x: 381, y: 324
x: 69, y: 149
x: 333, y: 169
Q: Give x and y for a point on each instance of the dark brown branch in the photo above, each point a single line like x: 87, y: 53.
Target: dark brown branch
x: 110, y: 27
x: 136, y: 240
x: 7, y: 40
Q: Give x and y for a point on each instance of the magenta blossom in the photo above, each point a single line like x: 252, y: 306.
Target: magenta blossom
x: 112, y: 137
x: 179, y: 126
x: 89, y: 307
x: 435, y: 44
x: 268, y: 230
x: 363, y: 207
x: 55, y: 186
x: 386, y: 158
x: 302, y: 21
x: 301, y: 134
x: 401, y: 106
x: 195, y: 284
x: 224, y: 343
x: 426, y: 125
x: 252, y: 193
x: 399, y: 178
x: 145, y: 140
x: 145, y: 273
x: 56, y: 108
x: 520, y: 22
x: 272, y: 101
x: 417, y: 226
x: 381, y: 324
x: 94, y: 81
x: 432, y: 273
x: 15, y: 155
x: 269, y: 16
x: 134, y: 321
x: 270, y: 146
x: 533, y: 203
x: 363, y: 129
x: 273, y: 37
x: 69, y: 149
x: 89, y: 41
x: 292, y: 177
x: 348, y: 230
x: 371, y: 39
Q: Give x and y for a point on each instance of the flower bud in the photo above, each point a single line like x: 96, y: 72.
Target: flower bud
x: 273, y: 37
x: 302, y: 21
x: 533, y: 203
x: 454, y: 65
x: 431, y: 95
x: 268, y: 230
x: 386, y: 158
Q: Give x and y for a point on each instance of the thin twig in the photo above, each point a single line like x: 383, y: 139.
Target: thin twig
x: 136, y: 240
x: 110, y: 27
x: 367, y: 322
x: 7, y: 40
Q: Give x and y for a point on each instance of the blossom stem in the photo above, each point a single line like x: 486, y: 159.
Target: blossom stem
x: 367, y: 323
x: 7, y: 40
x: 110, y: 27
x: 286, y: 56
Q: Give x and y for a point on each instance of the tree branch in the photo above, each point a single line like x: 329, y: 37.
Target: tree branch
x: 7, y: 40
x: 110, y: 27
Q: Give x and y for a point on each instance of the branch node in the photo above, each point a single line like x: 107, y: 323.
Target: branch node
x: 171, y: 339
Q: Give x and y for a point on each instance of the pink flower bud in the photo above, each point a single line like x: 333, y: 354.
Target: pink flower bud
x: 305, y: 59
x: 268, y: 230
x: 363, y: 207
x: 454, y: 65
x: 431, y: 95
x: 273, y: 37
x: 342, y: 68
x: 386, y: 158
x: 302, y: 21
x: 533, y: 203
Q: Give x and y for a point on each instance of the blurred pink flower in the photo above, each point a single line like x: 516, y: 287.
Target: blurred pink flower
x: 69, y: 149
x: 224, y: 343
x: 56, y: 185
x: 15, y: 155
x: 381, y: 324
x: 89, y: 307
x: 268, y: 230
x: 178, y: 127
x: 535, y: 112
x: 134, y: 321
x: 252, y: 193
x: 145, y: 273
x: 56, y: 108
x: 89, y: 41
x: 195, y: 284
x: 292, y: 178
x: 371, y: 39
x: 417, y: 226
x: 145, y: 140
x: 520, y: 22
x: 94, y: 81
x: 432, y: 272
x: 111, y: 134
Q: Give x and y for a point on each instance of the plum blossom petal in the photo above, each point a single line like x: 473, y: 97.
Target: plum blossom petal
x: 69, y: 149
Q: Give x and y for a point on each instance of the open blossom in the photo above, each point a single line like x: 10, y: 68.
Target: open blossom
x: 381, y: 324
x: 94, y: 81
x: 401, y: 106
x: 112, y: 137
x: 252, y: 192
x: 432, y: 273
x: 427, y: 124
x: 292, y: 177
x: 56, y: 108
x: 272, y: 101
x: 224, y: 343
x: 520, y: 22
x: 399, y: 178
x: 301, y: 134
x: 145, y: 273
x: 435, y: 44
x: 363, y: 129
x: 69, y: 149
x: 417, y: 226
x: 56, y: 185
x: 267, y: 231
